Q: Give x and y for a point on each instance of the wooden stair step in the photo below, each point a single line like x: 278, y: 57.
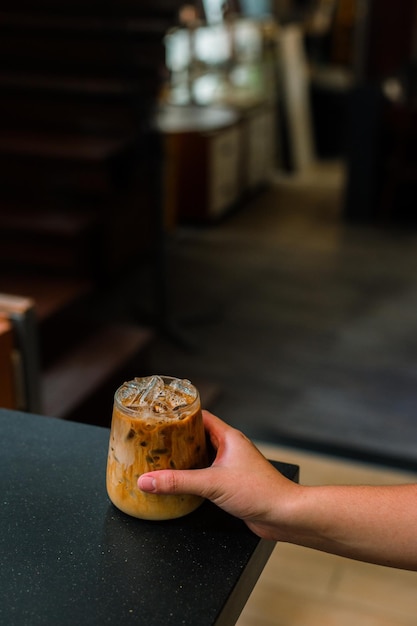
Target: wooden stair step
x: 83, y: 105
x: 81, y: 51
x: 81, y: 385
x: 40, y: 222
x: 56, y: 239
x: 57, y: 115
x: 90, y: 86
x: 64, y: 163
x: 62, y: 146
x: 97, y: 25
x: 166, y: 8
x: 75, y: 258
x: 71, y: 113
x: 50, y: 295
x: 59, y: 307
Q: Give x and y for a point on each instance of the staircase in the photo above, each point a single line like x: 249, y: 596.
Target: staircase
x: 79, y: 167
x: 78, y: 83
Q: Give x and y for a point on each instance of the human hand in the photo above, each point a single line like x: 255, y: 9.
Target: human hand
x: 370, y: 523
x: 240, y: 480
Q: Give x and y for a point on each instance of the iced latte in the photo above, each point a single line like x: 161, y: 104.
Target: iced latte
x: 156, y: 424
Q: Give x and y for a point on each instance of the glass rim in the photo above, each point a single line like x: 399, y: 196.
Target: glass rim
x: 138, y: 412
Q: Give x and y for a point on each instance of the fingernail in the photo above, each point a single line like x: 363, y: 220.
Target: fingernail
x: 147, y: 483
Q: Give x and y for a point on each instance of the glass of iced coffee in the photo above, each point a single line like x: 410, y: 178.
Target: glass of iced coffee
x: 156, y: 424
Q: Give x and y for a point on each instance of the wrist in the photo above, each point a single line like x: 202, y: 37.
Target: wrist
x: 290, y: 513
x: 282, y: 517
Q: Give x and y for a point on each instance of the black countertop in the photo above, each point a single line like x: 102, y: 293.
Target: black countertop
x: 68, y: 556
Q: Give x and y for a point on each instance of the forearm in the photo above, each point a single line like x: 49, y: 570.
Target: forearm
x: 375, y: 524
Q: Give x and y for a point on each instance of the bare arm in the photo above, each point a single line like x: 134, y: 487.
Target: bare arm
x: 369, y: 523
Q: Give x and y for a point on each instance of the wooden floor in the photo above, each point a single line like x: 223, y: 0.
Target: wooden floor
x: 304, y: 320
x: 303, y: 587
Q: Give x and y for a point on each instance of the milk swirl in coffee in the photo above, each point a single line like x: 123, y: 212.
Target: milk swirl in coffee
x: 156, y: 424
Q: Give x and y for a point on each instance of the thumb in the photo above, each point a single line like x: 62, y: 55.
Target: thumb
x: 190, y: 482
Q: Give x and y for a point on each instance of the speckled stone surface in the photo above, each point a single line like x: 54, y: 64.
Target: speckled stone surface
x: 68, y: 556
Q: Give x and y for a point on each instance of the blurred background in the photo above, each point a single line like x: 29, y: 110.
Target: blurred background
x: 222, y: 191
